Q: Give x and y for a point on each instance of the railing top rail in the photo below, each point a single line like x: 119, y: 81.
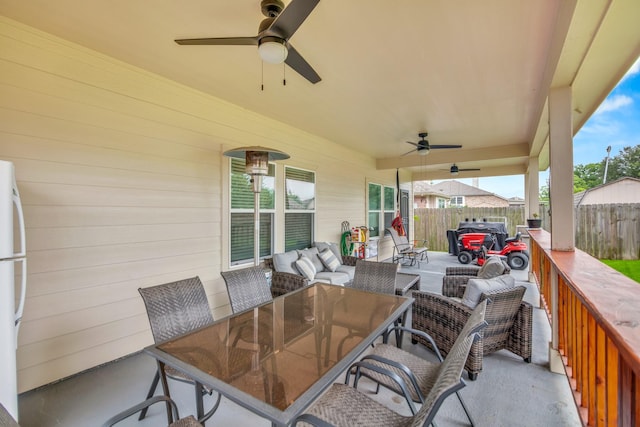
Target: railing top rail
x: 612, y: 298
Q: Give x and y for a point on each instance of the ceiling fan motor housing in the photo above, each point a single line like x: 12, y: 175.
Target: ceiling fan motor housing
x: 271, y: 8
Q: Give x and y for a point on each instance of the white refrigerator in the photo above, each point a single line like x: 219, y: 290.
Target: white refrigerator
x: 13, y: 280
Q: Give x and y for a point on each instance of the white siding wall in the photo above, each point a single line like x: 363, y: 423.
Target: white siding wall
x: 123, y: 185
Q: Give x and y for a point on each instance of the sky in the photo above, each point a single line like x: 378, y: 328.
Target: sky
x: 615, y: 123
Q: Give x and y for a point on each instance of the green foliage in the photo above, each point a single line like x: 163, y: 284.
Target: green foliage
x: 625, y: 164
x: 587, y: 176
x: 630, y: 268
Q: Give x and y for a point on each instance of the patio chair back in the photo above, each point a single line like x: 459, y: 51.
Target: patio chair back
x: 247, y: 288
x: 449, y: 379
x: 400, y: 242
x: 375, y: 276
x: 176, y: 308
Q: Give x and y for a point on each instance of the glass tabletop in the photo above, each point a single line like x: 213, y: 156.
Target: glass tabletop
x: 276, y: 358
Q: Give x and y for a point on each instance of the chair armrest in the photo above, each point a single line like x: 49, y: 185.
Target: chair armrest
x: 520, y: 339
x: 349, y: 260
x: 454, y: 286
x: 424, y: 335
x: 139, y: 407
x: 282, y: 283
x: 462, y: 270
x: 440, y: 317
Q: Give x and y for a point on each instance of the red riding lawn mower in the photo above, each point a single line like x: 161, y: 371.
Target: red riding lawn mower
x: 481, y: 245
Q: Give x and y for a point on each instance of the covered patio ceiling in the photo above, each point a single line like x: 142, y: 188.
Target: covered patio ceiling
x: 475, y: 73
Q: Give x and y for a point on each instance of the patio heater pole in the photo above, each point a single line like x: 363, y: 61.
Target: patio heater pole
x: 256, y: 165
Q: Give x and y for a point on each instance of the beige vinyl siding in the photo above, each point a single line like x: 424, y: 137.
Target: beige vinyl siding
x: 124, y: 185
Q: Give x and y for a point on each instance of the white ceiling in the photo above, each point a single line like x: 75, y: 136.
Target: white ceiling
x: 469, y: 72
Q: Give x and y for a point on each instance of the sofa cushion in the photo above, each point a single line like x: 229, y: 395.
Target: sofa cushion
x: 334, y: 248
x: 349, y: 270
x: 335, y: 278
x: 306, y: 267
x: 493, y: 267
x: 476, y: 287
x: 329, y: 259
x: 313, y: 255
x: 285, y: 262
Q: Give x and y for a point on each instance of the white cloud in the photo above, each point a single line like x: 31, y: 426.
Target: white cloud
x: 614, y: 103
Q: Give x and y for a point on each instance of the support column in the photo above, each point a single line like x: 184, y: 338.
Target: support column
x: 532, y: 187
x: 561, y: 169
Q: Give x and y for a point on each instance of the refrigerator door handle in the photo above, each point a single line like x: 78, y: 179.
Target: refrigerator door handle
x: 23, y: 293
x: 16, y: 201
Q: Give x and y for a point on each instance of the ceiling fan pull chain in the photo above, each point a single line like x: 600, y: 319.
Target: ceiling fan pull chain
x: 262, y: 76
x: 284, y: 75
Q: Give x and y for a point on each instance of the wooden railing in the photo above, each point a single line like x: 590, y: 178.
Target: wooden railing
x: 595, y: 317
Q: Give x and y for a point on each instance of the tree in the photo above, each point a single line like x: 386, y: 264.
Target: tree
x: 625, y: 164
x: 587, y: 176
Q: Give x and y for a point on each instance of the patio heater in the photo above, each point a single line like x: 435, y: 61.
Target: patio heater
x: 256, y: 165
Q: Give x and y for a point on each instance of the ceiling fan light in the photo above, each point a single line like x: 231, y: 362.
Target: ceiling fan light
x: 454, y: 170
x: 273, y: 51
x: 423, y: 151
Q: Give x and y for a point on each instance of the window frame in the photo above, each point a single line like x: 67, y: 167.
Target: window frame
x: 383, y: 211
x: 270, y: 211
x: 308, y: 211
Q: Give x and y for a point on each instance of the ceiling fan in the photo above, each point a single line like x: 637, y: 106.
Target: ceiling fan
x: 455, y: 169
x: 423, y: 147
x: 273, y: 36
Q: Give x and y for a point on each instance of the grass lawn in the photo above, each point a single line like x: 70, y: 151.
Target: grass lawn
x: 630, y: 268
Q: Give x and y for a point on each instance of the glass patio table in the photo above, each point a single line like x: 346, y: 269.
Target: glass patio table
x: 275, y: 359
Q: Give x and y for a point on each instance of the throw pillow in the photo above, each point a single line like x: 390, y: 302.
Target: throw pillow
x: 492, y: 267
x: 476, y: 287
x: 313, y: 255
x: 329, y: 260
x: 327, y: 245
x: 285, y: 262
x: 306, y: 267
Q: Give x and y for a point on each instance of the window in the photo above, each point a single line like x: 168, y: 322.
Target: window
x: 300, y: 207
x: 242, y: 214
x: 381, y: 208
x: 457, y: 201
x: 442, y: 203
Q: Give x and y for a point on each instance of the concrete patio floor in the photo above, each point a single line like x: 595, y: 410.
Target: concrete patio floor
x: 508, y: 392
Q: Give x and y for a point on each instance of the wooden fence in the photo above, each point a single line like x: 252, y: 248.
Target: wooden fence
x: 603, y: 231
x: 609, y: 231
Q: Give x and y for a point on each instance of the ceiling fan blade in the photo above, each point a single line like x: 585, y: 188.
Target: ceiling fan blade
x: 290, y: 19
x: 409, y: 152
x: 302, y: 67
x: 414, y: 144
x: 436, y: 146
x: 466, y: 170
x: 228, y: 41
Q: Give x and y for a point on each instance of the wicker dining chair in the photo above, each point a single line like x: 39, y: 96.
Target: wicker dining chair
x: 180, y: 422
x: 173, y: 309
x: 247, y: 288
x: 509, y: 318
x: 369, y: 276
x: 345, y: 406
x: 417, y: 373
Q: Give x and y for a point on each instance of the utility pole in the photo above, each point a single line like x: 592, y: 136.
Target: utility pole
x: 606, y: 165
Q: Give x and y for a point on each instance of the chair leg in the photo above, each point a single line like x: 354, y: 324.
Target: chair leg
x: 152, y: 390
x: 466, y: 410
